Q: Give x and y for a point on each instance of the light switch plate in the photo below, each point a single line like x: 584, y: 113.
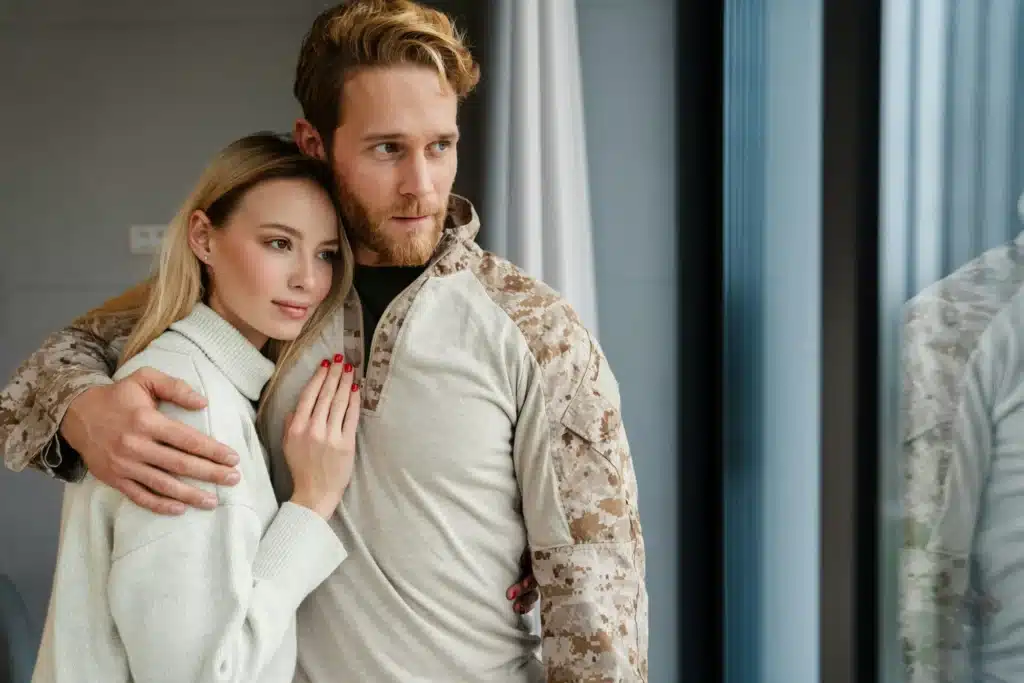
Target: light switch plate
x: 146, y: 239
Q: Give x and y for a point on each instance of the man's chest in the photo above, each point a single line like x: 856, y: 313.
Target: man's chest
x: 442, y: 389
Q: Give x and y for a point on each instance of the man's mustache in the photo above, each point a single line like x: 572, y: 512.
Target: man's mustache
x: 413, y: 211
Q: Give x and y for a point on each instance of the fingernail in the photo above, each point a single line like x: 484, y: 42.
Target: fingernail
x: 232, y: 478
x: 177, y: 509
x: 355, y: 387
x: 325, y: 363
x: 210, y: 502
x: 513, y: 594
x: 338, y: 358
x: 348, y: 367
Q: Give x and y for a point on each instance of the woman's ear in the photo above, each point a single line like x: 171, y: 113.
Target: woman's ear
x: 200, y: 232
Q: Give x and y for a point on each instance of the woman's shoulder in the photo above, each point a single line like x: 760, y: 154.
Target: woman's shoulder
x: 173, y: 355
x: 227, y: 412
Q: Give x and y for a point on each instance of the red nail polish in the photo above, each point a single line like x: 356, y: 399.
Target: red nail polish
x: 338, y: 358
x: 514, y: 594
x: 355, y: 387
x: 348, y: 367
x: 325, y: 363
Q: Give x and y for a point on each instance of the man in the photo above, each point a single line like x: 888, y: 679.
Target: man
x: 490, y: 418
x: 962, y: 578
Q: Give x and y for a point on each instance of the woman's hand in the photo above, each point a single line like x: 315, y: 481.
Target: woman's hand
x: 320, y: 438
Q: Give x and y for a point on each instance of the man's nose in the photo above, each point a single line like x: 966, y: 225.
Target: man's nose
x: 416, y: 177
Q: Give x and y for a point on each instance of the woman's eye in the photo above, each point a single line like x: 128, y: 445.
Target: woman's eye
x: 279, y: 244
x: 329, y: 255
x: 387, y: 148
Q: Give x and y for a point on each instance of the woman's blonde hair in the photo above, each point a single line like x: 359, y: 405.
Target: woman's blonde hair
x: 180, y: 282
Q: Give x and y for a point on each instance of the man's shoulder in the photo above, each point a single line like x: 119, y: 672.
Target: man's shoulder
x: 549, y: 324
x: 966, y: 301
x: 945, y: 324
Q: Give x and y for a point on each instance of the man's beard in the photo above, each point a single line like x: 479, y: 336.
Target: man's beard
x: 392, y: 246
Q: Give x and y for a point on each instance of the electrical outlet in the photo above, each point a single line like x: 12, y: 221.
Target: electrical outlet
x: 146, y: 239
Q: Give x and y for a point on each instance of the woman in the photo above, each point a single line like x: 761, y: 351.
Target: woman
x: 250, y: 268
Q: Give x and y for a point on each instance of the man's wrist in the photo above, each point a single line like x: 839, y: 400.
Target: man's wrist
x: 67, y: 428
x: 61, y: 457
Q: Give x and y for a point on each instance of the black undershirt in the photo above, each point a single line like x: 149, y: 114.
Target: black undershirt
x: 377, y: 287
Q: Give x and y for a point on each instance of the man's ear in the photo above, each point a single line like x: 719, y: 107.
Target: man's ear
x: 309, y: 141
x: 200, y: 230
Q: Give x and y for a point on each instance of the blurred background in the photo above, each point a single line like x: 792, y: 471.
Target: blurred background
x: 738, y: 195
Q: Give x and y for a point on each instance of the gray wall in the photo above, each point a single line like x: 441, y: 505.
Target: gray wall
x: 629, y: 77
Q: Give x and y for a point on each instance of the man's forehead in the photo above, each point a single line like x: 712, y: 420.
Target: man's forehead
x: 410, y: 100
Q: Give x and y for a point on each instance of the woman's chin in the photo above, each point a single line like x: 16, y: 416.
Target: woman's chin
x: 283, y: 331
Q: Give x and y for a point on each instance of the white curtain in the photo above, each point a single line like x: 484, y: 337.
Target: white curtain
x: 537, y: 205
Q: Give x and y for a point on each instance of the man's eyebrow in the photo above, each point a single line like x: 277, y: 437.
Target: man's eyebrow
x: 387, y: 136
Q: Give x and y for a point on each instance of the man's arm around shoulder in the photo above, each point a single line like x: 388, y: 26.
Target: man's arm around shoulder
x: 35, y: 401
x: 62, y: 413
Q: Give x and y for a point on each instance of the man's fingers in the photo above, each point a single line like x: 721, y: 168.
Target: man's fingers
x: 166, y: 388
x: 180, y: 436
x: 174, y: 461
x: 168, y: 486
x: 342, y: 401
x: 148, y: 500
x: 307, y: 399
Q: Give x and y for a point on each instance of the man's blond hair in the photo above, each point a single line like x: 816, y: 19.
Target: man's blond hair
x: 374, y: 33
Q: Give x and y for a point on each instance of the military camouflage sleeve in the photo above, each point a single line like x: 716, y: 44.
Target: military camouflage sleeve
x: 33, y: 404
x: 580, y: 505
x: 948, y: 386
x: 933, y: 580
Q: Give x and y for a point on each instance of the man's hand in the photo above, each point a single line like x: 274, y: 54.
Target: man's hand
x: 130, y: 445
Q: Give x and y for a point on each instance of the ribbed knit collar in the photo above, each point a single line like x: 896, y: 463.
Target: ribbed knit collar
x: 233, y: 354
